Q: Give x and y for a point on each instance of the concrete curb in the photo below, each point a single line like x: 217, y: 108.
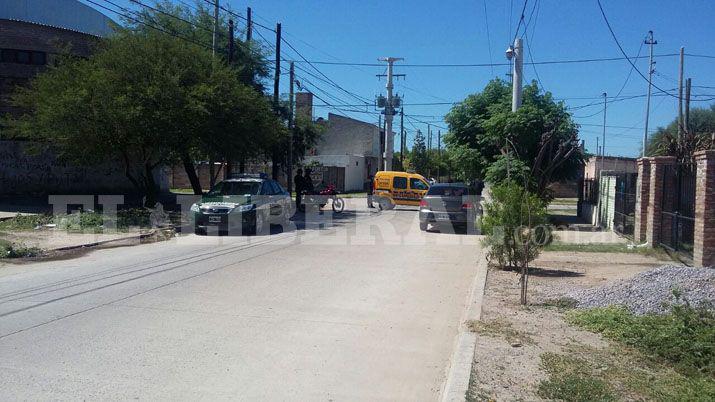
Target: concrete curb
x: 459, y: 372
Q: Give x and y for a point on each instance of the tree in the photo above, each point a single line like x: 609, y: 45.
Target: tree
x: 146, y: 99
x: 540, y: 134
x: 515, y: 223
x: 419, y: 159
x: 698, y: 135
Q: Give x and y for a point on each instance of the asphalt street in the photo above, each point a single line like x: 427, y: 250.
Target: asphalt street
x: 362, y: 307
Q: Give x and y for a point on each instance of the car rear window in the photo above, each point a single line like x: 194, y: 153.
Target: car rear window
x: 448, y: 191
x: 236, y: 188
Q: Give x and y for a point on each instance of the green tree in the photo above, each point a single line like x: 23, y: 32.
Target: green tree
x: 145, y: 99
x: 540, y: 134
x: 419, y: 159
x: 697, y: 136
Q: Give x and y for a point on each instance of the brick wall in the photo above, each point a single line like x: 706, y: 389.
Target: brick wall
x: 655, y: 200
x: 642, y: 198
x: 704, y: 239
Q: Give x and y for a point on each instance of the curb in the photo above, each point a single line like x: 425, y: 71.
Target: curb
x: 134, y: 238
x: 456, y: 384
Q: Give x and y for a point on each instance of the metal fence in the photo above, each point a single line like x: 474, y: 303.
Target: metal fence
x: 678, y: 208
x: 624, y: 211
x: 589, y: 191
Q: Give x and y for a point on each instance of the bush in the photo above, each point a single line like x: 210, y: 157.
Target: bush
x: 25, y: 222
x: 9, y: 250
x: 685, y: 337
x: 513, y: 219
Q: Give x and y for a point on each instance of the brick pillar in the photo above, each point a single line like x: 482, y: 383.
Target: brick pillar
x: 642, y: 197
x: 704, y: 242
x: 655, y: 198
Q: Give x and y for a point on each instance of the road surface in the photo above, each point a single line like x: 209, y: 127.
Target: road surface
x: 365, y: 307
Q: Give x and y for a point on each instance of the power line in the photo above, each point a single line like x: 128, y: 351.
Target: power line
x: 521, y: 19
x: 489, y: 42
x: 615, y: 39
x: 468, y: 65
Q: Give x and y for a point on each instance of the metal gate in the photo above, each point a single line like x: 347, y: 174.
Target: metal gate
x: 624, y: 211
x: 677, y: 226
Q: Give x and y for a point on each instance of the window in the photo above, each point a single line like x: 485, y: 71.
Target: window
x: 277, y: 189
x: 234, y: 188
x: 23, y: 57
x: 399, y: 182
x: 417, y: 184
x: 448, y: 191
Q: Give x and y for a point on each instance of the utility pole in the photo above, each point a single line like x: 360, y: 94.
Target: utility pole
x: 651, y: 69
x: 429, y: 150
x: 277, y: 77
x: 215, y: 31
x: 276, y: 88
x: 291, y: 127
x: 402, y: 138
x: 686, y: 127
x: 229, y: 163
x: 680, y: 94
x: 249, y: 24
x: 389, y: 113
x: 439, y: 153
x: 379, y: 142
x: 516, y: 52
x: 603, y: 143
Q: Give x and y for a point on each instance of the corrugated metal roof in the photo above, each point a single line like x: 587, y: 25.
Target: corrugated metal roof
x: 66, y: 14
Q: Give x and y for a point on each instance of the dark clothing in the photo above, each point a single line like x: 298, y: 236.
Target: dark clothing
x: 368, y: 189
x: 308, y: 184
x: 299, y: 185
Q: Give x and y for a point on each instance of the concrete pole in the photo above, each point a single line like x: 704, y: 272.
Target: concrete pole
x: 215, y: 31
x: 380, y: 164
x: 649, y: 41
x: 291, y: 127
x: 517, y: 74
x: 603, y: 143
x: 389, y: 109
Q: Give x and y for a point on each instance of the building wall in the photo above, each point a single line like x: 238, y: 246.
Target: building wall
x: 355, y: 168
x: 617, y: 164
x: 43, y: 39
x: 346, y: 136
x: 28, y: 168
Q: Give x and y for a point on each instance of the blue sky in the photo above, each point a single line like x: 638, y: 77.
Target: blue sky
x: 455, y: 32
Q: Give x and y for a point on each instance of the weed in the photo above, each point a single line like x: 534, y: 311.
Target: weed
x: 25, y: 222
x: 10, y: 250
x: 571, y: 379
x: 685, y: 337
x: 606, y: 248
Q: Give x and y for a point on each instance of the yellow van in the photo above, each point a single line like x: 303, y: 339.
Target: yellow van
x: 398, y: 188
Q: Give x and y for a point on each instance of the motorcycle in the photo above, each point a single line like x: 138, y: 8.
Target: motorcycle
x: 321, y: 198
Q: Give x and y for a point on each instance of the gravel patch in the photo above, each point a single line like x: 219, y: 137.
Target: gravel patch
x: 652, y: 291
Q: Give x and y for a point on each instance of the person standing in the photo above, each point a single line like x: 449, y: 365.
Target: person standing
x: 308, y: 182
x: 299, y: 187
x: 368, y: 189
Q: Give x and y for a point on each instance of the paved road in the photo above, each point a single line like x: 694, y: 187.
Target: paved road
x: 364, y: 308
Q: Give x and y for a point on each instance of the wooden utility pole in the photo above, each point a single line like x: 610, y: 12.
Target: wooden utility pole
x: 276, y: 89
x: 214, y: 42
x: 439, y: 153
x: 249, y: 24
x: 688, y: 83
x: 229, y: 163
x: 429, y: 150
x: 291, y: 127
x: 680, y: 94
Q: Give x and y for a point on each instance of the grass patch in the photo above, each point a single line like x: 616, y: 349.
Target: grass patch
x: 562, y: 212
x: 92, y: 222
x: 182, y: 190
x: 500, y: 329
x: 572, y: 379
x: 683, y: 338
x: 10, y: 250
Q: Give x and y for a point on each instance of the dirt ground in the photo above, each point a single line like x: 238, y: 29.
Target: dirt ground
x: 512, y: 338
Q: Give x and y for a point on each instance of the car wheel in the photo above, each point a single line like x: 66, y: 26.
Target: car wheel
x: 423, y: 225
x: 198, y: 231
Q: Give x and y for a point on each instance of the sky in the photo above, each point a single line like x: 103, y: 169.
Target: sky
x: 479, y: 32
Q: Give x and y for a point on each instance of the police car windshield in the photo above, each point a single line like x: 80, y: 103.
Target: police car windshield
x: 236, y: 188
